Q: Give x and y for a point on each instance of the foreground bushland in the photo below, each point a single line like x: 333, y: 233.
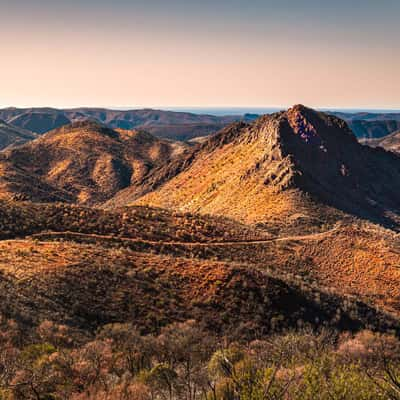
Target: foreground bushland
x: 183, y: 361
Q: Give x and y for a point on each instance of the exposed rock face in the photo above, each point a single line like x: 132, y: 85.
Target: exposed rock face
x: 88, y: 266
x: 338, y: 170
x: 281, y: 165
x: 252, y: 172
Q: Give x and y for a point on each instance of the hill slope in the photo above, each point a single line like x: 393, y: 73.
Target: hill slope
x: 282, y: 165
x: 84, y: 163
x: 13, y: 136
x: 153, y: 267
x: 390, y: 142
x: 39, y: 122
x: 86, y: 287
x: 373, y: 129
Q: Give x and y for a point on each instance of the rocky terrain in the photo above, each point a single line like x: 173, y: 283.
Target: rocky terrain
x: 282, y: 166
x: 181, y: 126
x: 86, y: 268
x: 290, y: 205
x: 83, y: 163
x: 260, y: 226
x: 265, y: 256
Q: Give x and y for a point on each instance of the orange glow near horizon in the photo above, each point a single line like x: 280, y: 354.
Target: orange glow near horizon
x: 103, y: 62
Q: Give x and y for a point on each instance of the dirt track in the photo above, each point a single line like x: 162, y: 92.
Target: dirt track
x: 75, y: 235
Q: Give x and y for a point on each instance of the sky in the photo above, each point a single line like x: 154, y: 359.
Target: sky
x: 220, y: 53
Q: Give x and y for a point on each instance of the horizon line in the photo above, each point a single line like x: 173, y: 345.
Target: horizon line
x: 208, y: 107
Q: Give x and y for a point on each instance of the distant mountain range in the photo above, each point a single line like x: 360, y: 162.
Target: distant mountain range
x: 366, y: 116
x: 373, y: 129
x: 11, y: 135
x: 168, y: 124
x: 389, y: 142
x: 171, y: 124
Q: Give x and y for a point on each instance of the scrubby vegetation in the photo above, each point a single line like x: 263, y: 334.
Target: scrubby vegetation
x: 298, y: 301
x: 82, y: 163
x: 87, y: 286
x: 19, y: 219
x: 184, y: 361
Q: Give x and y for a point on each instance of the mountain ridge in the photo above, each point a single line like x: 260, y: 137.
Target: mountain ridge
x: 296, y: 159
x: 277, y: 155
x: 177, y: 125
x: 162, y: 123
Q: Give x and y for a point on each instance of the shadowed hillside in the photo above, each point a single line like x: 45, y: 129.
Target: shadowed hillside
x: 39, y: 122
x: 152, y: 267
x: 333, y: 257
x: 88, y: 286
x: 13, y: 136
x: 373, y: 129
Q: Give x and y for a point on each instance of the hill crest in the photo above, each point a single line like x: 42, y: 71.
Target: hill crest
x: 87, y: 161
x: 253, y: 171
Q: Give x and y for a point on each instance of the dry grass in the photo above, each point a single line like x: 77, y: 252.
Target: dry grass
x: 87, y: 286
x: 85, y: 161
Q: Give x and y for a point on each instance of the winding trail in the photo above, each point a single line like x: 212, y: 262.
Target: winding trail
x: 76, y: 235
